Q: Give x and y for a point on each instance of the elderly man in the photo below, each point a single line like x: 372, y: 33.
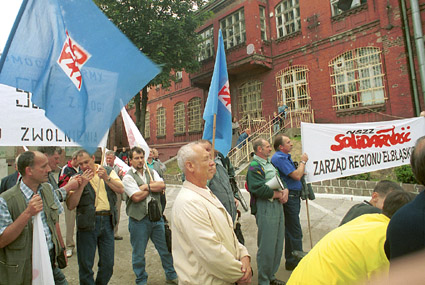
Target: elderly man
x: 141, y: 185
x: 18, y: 205
x: 292, y: 176
x: 406, y: 231
x: 95, y: 200
x: 110, y: 161
x: 353, y: 252
x: 266, y: 205
x: 205, y: 248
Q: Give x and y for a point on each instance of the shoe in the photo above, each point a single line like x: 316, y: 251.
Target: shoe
x: 174, y: 281
x: 277, y: 282
x: 290, y: 267
x: 118, y: 238
x: 69, y: 253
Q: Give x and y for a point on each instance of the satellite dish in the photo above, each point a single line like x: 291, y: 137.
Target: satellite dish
x: 250, y: 49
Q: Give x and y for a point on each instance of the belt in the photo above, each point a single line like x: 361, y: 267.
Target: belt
x: 294, y: 193
x: 103, y: 213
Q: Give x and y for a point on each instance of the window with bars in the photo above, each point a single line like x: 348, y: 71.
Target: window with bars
x: 147, y: 125
x: 250, y: 102
x: 292, y: 87
x: 207, y: 45
x: 179, y: 119
x: 336, y: 11
x: 288, y: 18
x: 263, y: 26
x: 160, y: 122
x: 194, y: 113
x: 357, y: 78
x: 233, y: 29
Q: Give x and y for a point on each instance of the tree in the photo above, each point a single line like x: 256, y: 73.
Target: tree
x: 164, y: 30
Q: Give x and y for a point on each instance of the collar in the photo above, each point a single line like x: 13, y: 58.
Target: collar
x: 28, y: 193
x: 261, y: 160
x: 134, y: 170
x: 204, y: 192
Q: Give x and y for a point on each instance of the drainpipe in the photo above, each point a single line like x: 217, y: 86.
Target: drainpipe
x: 410, y: 56
x: 419, y: 40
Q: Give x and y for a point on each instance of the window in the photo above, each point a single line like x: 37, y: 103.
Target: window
x: 207, y: 45
x: 357, y: 79
x: 336, y: 11
x: 160, y: 122
x: 250, y: 102
x: 263, y: 26
x: 147, y: 125
x: 179, y: 118
x: 292, y: 87
x: 233, y: 29
x: 288, y: 19
x: 194, y: 113
x: 179, y: 75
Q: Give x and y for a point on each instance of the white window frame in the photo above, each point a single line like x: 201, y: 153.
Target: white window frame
x: 263, y: 23
x: 292, y: 87
x: 160, y: 122
x: 207, y: 45
x: 179, y: 118
x: 288, y: 20
x: 233, y: 29
x: 336, y: 11
x: 194, y: 113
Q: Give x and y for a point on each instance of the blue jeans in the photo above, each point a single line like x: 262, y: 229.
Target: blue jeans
x: 293, y: 231
x: 102, y: 237
x: 140, y: 232
x: 271, y: 231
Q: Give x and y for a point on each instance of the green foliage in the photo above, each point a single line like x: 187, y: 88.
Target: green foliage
x: 404, y: 174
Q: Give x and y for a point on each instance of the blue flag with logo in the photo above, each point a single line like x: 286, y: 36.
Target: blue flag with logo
x: 78, y: 66
x: 218, y: 102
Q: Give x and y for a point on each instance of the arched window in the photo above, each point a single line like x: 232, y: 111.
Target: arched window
x: 194, y: 113
x: 357, y: 79
x: 179, y: 118
x: 292, y: 87
x: 160, y: 122
x: 147, y: 125
x: 250, y: 102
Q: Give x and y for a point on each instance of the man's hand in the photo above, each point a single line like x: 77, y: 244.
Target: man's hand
x: 101, y: 172
x: 304, y: 157
x: 35, y: 205
x: 285, y: 196
x: 246, y: 269
x: 73, y: 184
x: 86, y: 177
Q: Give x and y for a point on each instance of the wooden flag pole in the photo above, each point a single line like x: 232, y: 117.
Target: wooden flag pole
x: 308, y: 221
x: 213, y: 135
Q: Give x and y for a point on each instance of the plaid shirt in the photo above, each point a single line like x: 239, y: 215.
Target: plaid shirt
x: 6, y: 219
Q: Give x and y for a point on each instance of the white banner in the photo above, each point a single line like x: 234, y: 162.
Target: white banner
x: 24, y: 124
x: 134, y: 136
x: 42, y: 273
x: 338, y: 150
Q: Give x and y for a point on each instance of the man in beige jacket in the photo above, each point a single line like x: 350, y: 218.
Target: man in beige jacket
x: 205, y: 248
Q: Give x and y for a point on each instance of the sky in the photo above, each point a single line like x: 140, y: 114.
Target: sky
x: 8, y: 11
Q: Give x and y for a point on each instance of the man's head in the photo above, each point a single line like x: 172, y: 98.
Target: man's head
x: 115, y: 148
x: 248, y: 132
x: 85, y: 160
x: 155, y: 153
x: 110, y: 158
x: 261, y: 148
x: 137, y: 158
x: 53, y: 155
x: 282, y: 143
x: 381, y: 190
x: 34, y: 167
x: 395, y: 200
x: 196, y: 163
x: 124, y: 149
x: 417, y: 160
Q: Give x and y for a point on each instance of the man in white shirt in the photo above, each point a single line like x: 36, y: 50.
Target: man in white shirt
x: 142, y: 186
x: 205, y: 248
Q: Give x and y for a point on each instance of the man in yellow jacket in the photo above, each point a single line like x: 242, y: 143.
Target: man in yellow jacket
x: 352, y: 252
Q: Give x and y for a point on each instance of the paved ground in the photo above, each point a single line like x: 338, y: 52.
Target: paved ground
x: 325, y: 214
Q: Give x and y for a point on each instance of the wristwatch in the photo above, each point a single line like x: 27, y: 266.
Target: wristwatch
x: 109, y: 179
x: 302, y: 161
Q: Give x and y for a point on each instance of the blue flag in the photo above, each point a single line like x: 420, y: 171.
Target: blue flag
x: 78, y: 66
x: 218, y: 102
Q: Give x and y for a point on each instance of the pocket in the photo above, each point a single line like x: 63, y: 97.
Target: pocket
x: 86, y: 218
x: 9, y: 273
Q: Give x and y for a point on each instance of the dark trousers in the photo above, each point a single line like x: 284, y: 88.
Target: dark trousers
x: 101, y: 237
x: 293, y: 231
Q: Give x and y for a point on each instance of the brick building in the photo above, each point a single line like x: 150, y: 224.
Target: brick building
x: 332, y: 66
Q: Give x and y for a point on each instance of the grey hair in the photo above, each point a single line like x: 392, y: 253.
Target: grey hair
x: 184, y: 154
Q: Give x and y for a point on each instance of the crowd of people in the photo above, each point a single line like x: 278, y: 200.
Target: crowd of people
x: 206, y: 246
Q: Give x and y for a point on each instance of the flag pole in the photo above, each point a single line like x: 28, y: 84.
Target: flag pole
x: 213, y: 135
x: 308, y: 221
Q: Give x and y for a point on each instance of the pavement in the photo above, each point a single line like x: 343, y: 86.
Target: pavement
x: 325, y: 212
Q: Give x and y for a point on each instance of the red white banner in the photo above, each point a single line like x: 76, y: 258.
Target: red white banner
x: 339, y: 150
